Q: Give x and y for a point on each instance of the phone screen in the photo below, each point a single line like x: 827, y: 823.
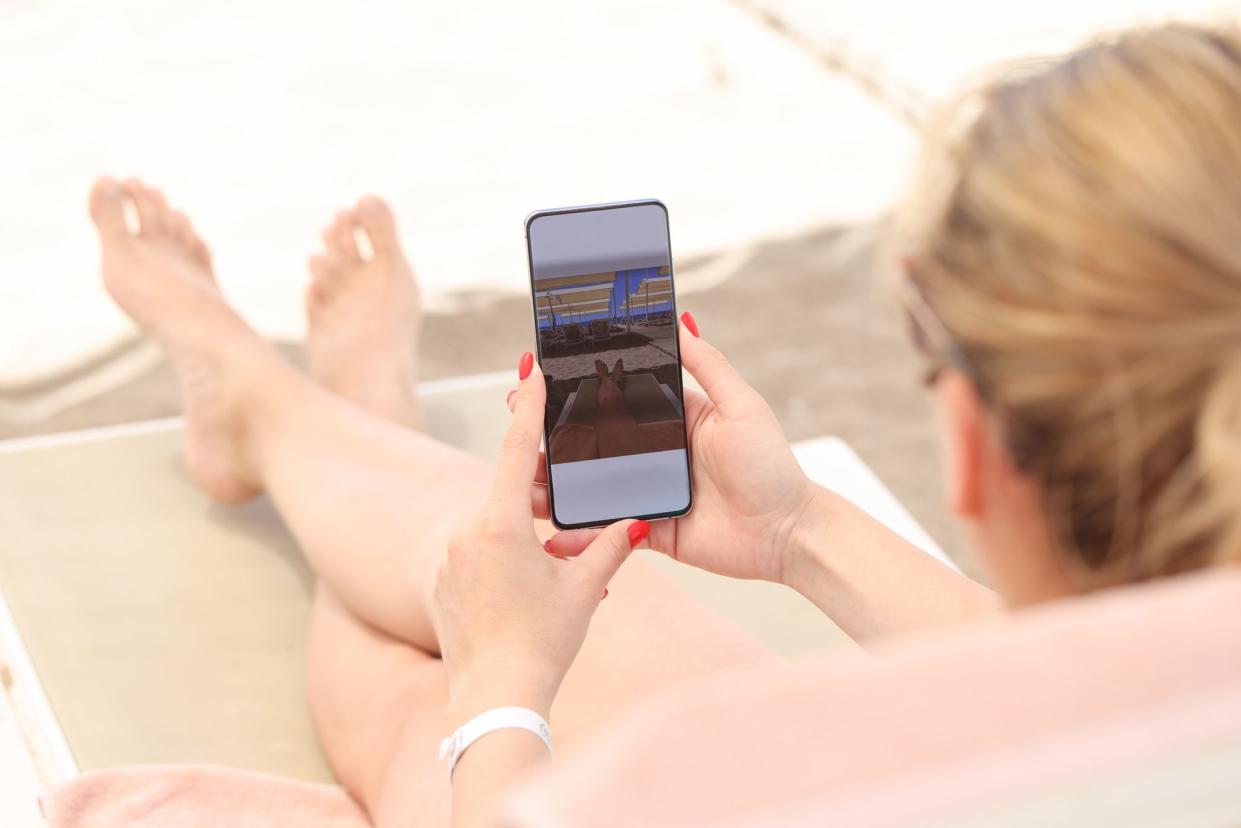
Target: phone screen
x: 605, y: 312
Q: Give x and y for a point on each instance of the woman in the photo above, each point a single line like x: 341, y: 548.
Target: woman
x: 1072, y: 276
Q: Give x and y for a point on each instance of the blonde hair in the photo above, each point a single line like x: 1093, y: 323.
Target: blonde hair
x: 1076, y: 225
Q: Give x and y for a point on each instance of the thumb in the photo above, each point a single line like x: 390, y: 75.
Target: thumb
x: 599, y: 561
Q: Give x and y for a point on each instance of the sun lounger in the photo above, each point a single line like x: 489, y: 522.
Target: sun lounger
x: 600, y: 330
x: 148, y: 625
x: 573, y: 337
x: 548, y: 341
x: 644, y: 397
x: 653, y: 404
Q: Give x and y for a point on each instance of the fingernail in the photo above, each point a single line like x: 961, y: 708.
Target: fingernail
x: 688, y: 319
x: 637, y: 531
x: 524, y: 365
x: 605, y: 593
x: 547, y: 547
x: 509, y: 399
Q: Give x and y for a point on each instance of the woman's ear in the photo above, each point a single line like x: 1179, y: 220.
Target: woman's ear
x: 963, y: 429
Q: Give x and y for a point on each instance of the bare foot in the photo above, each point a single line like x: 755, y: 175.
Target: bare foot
x: 364, y: 314
x: 160, y: 274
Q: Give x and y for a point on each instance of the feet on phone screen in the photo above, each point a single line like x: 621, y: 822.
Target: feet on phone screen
x: 616, y: 376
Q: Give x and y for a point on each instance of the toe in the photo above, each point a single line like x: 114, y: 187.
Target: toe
x: 180, y: 229
x: 183, y: 230
x: 323, y: 272
x: 339, y: 238
x: 376, y: 219
x: 152, y: 210
x: 107, y: 208
x: 314, y: 298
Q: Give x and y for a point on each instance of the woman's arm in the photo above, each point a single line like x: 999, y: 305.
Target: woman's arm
x: 489, y: 768
x: 510, y: 618
x: 493, y: 763
x: 870, y: 580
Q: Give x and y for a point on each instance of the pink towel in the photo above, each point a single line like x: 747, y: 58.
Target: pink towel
x: 176, y: 796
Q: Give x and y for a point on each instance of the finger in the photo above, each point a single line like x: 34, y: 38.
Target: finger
x: 519, y: 453
x: 540, y: 502
x: 599, y: 561
x: 714, y: 372
x: 571, y: 542
x: 540, y: 471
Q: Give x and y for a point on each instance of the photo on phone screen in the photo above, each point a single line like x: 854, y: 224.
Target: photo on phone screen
x: 606, y: 318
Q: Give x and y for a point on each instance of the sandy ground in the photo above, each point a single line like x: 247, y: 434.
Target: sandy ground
x: 467, y: 116
x: 656, y: 355
x: 262, y: 120
x: 583, y: 365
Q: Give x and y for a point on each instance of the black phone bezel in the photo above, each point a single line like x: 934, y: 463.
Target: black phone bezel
x: 538, y: 350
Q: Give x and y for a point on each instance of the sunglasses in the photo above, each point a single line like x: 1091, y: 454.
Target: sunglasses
x: 928, y: 333
x: 940, y: 349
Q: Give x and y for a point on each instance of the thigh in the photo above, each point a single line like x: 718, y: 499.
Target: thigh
x: 377, y: 704
x: 646, y: 634
x: 382, y: 723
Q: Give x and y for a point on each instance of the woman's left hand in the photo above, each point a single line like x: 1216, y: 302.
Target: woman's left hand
x: 510, y: 617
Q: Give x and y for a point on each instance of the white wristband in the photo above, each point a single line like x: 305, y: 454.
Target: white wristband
x: 498, y: 718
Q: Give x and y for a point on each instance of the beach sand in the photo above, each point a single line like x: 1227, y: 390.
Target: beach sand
x: 657, y: 353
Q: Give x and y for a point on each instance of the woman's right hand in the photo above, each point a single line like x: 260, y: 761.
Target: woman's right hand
x: 749, y: 491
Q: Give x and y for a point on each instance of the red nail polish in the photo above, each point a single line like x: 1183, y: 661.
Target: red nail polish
x: 637, y: 531
x: 547, y: 547
x: 605, y: 593
x: 524, y: 365
x: 690, y: 323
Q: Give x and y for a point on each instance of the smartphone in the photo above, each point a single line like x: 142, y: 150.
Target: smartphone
x: 605, y: 314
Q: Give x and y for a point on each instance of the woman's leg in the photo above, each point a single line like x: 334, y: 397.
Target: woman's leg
x: 372, y: 504
x: 368, y: 692
x: 366, y: 689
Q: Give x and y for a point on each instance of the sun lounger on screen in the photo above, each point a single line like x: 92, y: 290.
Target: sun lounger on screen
x: 573, y: 337
x: 548, y: 340
x: 600, y: 330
